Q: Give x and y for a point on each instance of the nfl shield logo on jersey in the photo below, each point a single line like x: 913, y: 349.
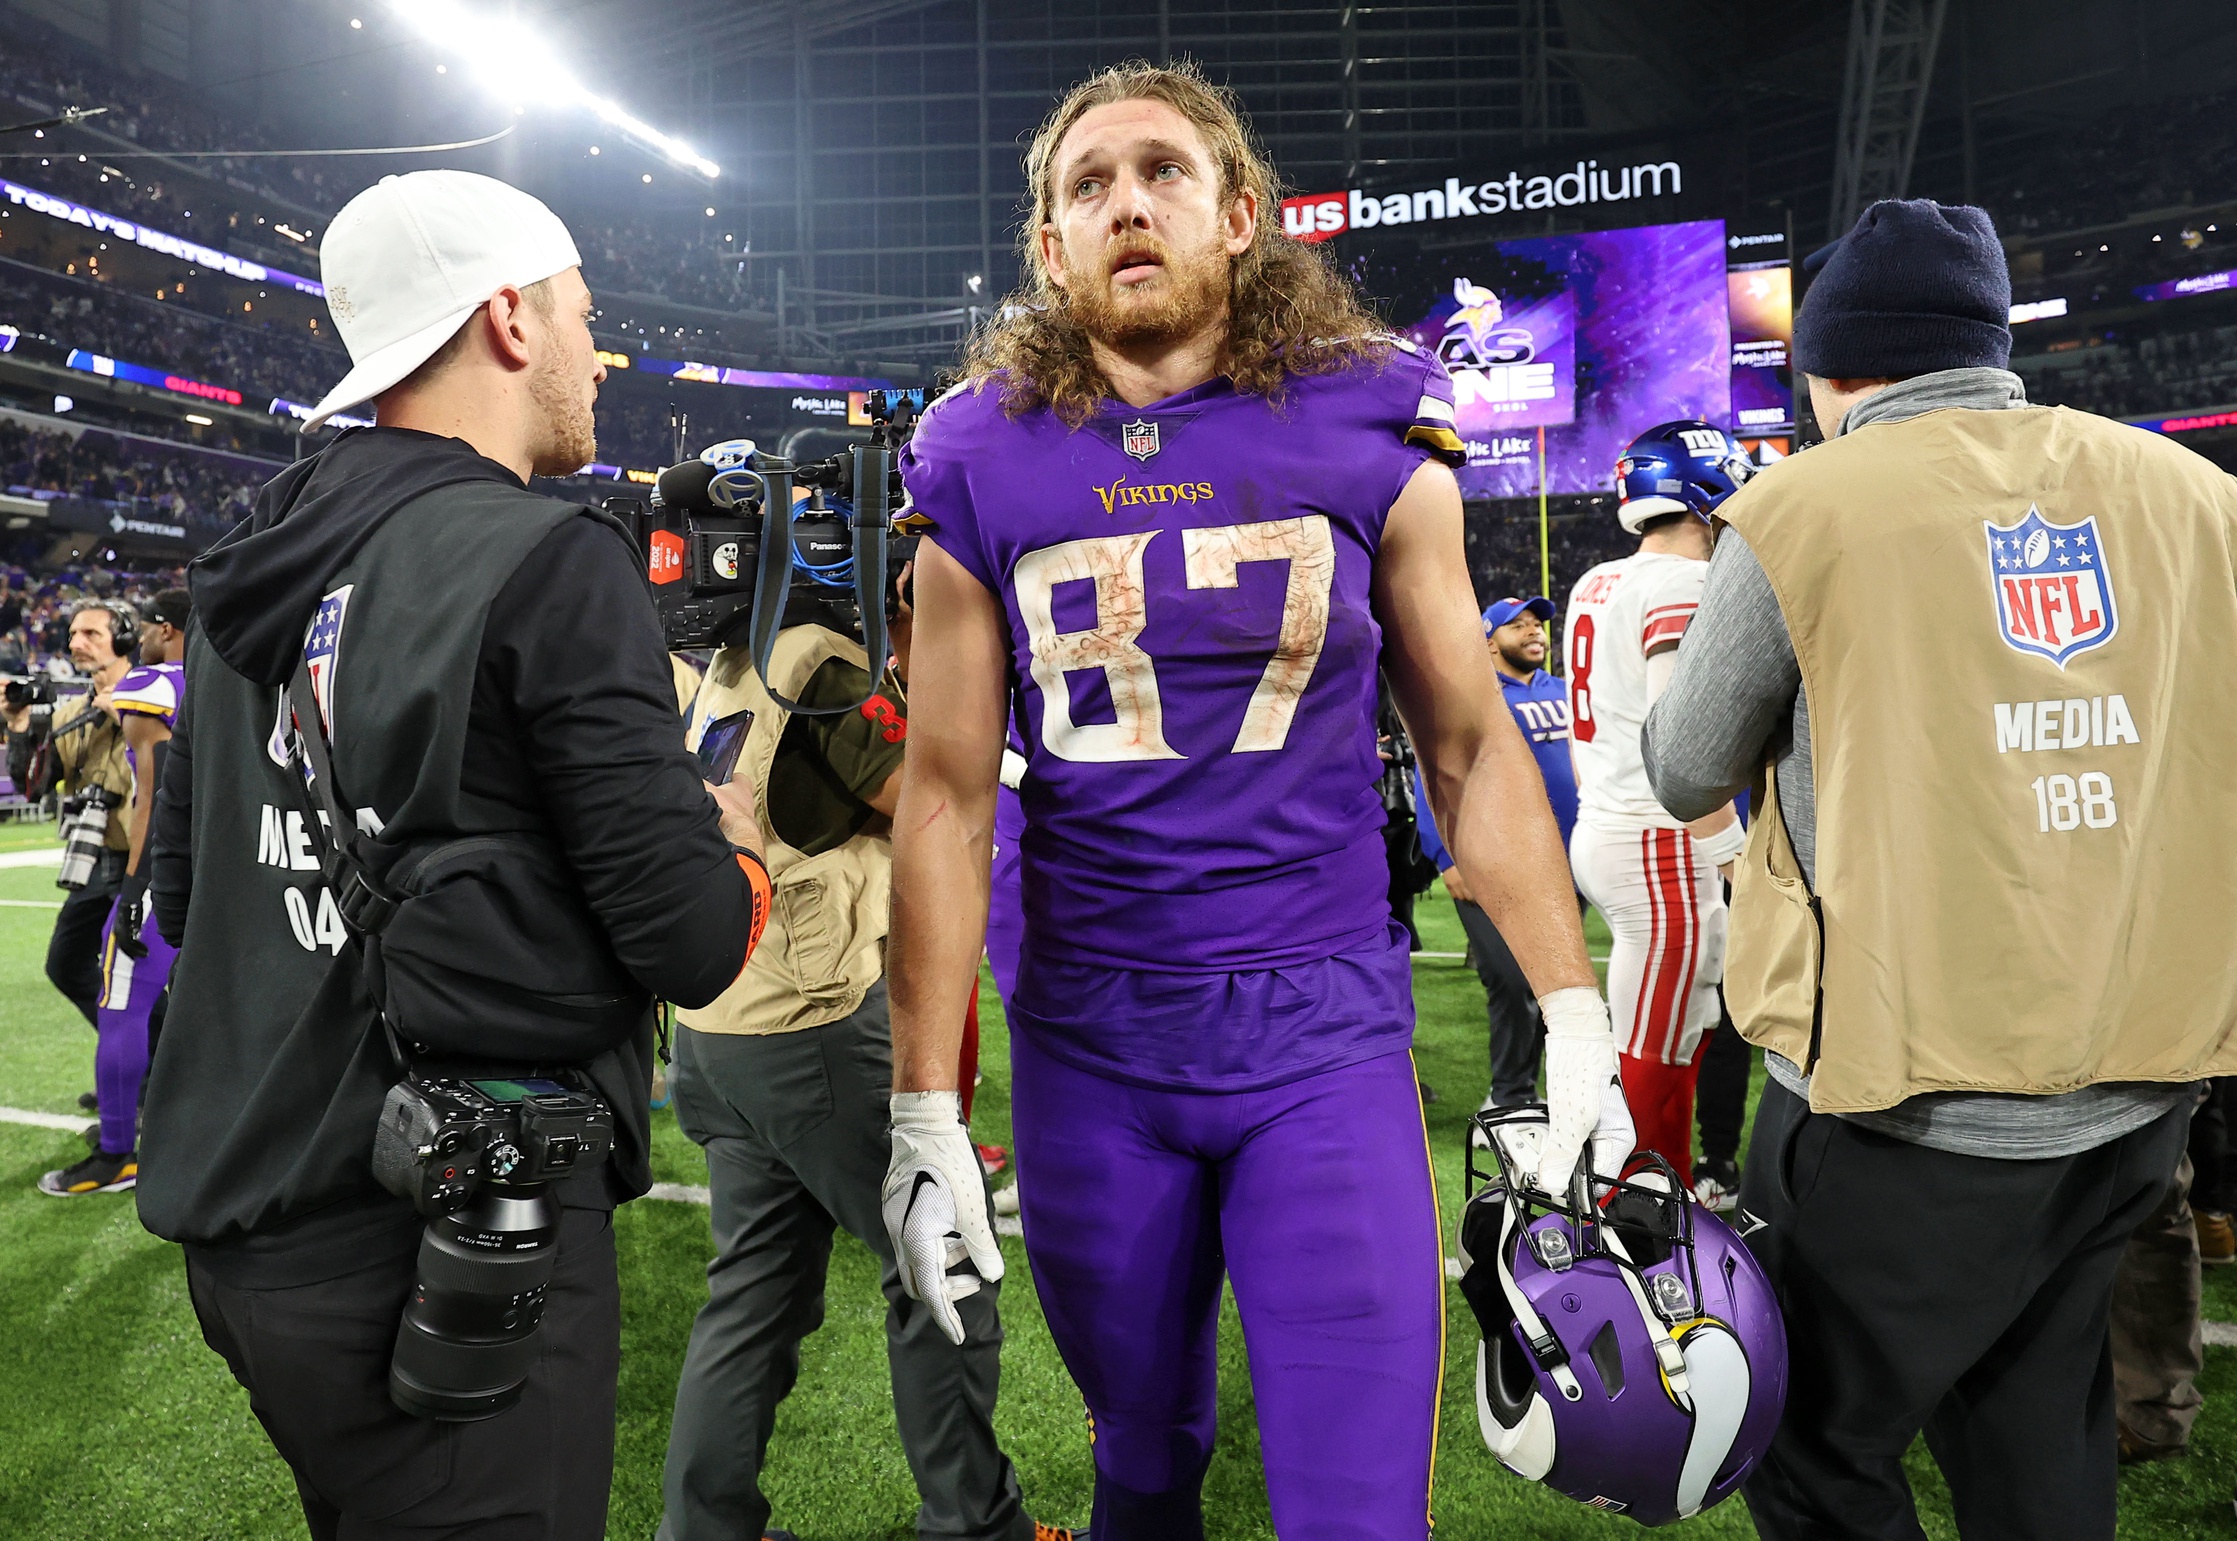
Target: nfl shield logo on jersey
x: 1139, y: 438
x: 2054, y: 597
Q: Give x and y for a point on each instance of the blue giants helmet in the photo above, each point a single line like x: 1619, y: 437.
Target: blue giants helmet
x: 1633, y: 1357
x: 1685, y: 467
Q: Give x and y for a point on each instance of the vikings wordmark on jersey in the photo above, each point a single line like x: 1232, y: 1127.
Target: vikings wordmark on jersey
x: 2054, y: 596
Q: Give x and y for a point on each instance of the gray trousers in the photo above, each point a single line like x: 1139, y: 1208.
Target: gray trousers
x: 2159, y: 1344
x: 794, y: 1125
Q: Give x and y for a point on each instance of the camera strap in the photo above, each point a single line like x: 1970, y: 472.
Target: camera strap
x: 366, y: 905
x: 772, y: 583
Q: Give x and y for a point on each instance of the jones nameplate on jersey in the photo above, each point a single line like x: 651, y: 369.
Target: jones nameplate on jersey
x: 2054, y: 597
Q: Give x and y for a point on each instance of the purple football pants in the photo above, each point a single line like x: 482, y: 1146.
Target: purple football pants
x: 129, y: 988
x: 1005, y: 905
x: 1315, y: 1199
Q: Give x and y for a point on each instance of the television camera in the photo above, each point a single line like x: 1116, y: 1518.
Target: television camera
x: 719, y: 577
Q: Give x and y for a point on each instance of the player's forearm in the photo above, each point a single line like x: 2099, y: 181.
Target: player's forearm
x: 143, y: 808
x: 942, y: 852
x: 146, y: 738
x: 1509, y: 852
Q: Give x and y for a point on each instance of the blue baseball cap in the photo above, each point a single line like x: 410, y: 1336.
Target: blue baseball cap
x: 1501, y: 611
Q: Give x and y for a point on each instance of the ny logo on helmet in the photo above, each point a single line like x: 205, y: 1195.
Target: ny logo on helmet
x: 2053, y: 594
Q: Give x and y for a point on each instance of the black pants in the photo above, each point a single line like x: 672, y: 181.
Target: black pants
x: 1961, y: 1295
x: 314, y: 1360
x: 1518, y: 1032
x: 1720, y: 1094
x: 74, y: 950
x: 2215, y: 1183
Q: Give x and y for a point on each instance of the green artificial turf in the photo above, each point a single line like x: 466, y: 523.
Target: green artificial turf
x: 116, y: 1421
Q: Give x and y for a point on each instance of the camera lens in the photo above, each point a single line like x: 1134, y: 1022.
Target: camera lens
x: 468, y: 1337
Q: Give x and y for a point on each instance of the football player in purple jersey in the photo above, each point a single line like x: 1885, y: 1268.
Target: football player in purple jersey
x: 1188, y: 500
x: 135, y: 959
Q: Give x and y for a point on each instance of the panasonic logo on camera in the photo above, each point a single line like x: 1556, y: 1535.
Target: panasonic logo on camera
x: 1320, y: 216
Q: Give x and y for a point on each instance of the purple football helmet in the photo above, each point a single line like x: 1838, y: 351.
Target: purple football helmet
x: 1633, y: 1356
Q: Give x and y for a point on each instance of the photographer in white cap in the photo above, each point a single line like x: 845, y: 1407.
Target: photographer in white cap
x: 505, y: 855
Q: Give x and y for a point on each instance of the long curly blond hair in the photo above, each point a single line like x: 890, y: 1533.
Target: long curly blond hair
x: 1290, y: 313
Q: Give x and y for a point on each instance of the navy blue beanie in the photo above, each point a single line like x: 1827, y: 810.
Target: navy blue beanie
x: 1916, y: 286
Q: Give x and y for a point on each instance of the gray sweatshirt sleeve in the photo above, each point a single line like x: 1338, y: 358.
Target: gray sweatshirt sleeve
x: 1732, y: 698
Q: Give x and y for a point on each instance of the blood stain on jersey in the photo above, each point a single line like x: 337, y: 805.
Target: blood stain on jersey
x: 1139, y: 438
x: 2052, y: 591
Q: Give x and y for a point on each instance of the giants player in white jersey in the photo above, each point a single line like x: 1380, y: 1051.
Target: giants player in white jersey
x: 1653, y: 876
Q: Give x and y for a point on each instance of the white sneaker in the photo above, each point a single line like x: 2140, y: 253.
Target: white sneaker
x: 1716, y: 1185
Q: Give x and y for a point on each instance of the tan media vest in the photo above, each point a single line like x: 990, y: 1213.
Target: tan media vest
x: 825, y: 943
x: 1996, y: 911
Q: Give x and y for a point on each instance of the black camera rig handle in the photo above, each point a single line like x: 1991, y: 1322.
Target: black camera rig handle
x: 872, y: 470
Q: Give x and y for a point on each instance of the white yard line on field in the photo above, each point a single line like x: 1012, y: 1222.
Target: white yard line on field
x: 65, y: 1121
x: 31, y: 904
x: 51, y: 856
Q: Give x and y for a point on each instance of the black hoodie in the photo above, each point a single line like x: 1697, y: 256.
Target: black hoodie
x: 572, y: 730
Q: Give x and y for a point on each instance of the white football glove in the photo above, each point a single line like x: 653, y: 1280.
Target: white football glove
x: 1584, y: 1091
x: 935, y: 1206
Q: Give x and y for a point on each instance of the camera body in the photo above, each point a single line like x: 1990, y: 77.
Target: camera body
x: 702, y: 535
x: 442, y: 1137
x: 705, y: 557
x: 30, y: 692
x: 478, y: 1155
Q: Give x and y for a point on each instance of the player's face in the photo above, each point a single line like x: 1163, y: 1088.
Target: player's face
x: 1522, y: 642
x: 1143, y: 240
x: 565, y: 378
x: 162, y: 642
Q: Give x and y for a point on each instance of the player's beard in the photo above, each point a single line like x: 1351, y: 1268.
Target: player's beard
x: 570, y: 427
x: 1189, y: 293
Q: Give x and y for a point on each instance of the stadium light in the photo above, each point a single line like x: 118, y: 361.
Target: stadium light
x: 503, y: 54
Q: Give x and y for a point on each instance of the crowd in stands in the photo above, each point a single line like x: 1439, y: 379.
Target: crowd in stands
x: 37, y: 74
x: 675, y: 259
x: 35, y: 610
x: 181, y: 485
x: 1502, y: 541
x: 91, y: 313
x: 2164, y: 155
x: 2172, y: 372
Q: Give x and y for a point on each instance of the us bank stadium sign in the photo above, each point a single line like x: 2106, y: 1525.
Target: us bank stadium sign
x: 1320, y: 216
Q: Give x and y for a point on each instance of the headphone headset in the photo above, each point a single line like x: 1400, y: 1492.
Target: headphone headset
x: 124, y: 626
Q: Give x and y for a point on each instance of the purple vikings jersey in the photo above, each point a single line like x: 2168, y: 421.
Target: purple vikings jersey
x: 1193, y: 661
x: 150, y: 690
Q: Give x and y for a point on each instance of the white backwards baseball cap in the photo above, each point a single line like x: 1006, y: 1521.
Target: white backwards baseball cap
x: 411, y: 257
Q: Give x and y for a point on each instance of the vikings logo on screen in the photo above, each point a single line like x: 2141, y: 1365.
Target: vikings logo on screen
x: 2054, y: 597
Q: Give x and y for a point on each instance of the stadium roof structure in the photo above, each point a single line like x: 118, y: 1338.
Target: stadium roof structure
x: 869, y: 149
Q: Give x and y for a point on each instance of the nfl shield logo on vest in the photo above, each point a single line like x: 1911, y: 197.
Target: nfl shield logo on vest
x: 1139, y: 438
x: 2054, y: 597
